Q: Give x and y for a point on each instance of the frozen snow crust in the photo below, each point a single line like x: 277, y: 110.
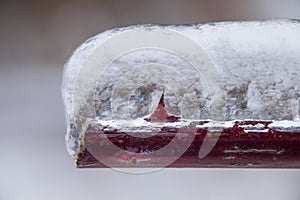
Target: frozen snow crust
x: 219, y: 71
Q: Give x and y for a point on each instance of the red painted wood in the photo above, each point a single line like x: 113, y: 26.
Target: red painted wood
x: 234, y: 149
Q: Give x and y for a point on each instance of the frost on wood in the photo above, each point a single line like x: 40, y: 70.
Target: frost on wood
x: 220, y: 71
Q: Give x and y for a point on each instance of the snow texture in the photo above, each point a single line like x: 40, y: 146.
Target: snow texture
x: 255, y: 64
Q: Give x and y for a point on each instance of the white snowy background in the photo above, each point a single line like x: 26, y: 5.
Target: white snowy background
x: 36, y: 39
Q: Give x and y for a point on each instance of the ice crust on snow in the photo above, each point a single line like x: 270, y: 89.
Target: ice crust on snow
x: 258, y: 63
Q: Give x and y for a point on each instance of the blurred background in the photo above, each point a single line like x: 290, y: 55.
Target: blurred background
x: 37, y: 37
